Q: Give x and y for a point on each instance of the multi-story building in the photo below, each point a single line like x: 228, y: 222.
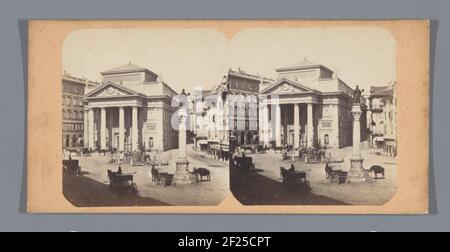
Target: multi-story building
x: 130, y: 110
x: 73, y: 90
x: 383, y: 121
x: 244, y: 89
x: 312, y: 106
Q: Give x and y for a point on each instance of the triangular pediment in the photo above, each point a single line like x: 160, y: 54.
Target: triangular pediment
x: 111, y: 90
x: 285, y: 86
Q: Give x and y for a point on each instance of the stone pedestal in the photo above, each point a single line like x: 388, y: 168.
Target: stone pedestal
x: 357, y: 174
x: 182, y: 175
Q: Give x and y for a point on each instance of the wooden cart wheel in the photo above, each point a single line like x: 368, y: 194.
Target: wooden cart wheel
x: 335, y: 179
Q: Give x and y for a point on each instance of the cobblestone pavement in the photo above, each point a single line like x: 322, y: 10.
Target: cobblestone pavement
x: 95, y: 168
x: 264, y: 186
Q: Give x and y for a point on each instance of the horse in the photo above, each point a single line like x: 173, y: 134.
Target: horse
x: 376, y: 169
x: 328, y: 170
x: 155, y: 173
x: 202, y: 172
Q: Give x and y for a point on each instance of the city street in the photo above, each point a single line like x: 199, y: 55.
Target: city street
x: 91, y: 188
x: 264, y: 187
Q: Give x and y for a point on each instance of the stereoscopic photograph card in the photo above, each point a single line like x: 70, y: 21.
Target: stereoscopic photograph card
x: 228, y: 116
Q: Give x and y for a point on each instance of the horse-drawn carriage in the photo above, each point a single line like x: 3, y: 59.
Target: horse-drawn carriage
x: 294, y: 179
x: 335, y: 176
x: 120, y: 183
x: 72, y: 166
x: 161, y: 178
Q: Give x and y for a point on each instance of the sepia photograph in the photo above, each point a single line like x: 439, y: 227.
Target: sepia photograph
x: 229, y: 117
x: 153, y: 117
x: 131, y: 131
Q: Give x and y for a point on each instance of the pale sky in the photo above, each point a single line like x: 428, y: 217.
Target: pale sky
x: 186, y: 58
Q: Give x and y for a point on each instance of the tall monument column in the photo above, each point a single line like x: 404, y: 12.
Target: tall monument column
x: 357, y: 173
x: 182, y: 175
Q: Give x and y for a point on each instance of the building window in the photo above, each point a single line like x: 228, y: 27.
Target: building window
x: 150, y: 142
x: 326, y: 139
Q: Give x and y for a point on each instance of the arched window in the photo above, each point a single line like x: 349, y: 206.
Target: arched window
x: 150, y: 142
x: 326, y: 139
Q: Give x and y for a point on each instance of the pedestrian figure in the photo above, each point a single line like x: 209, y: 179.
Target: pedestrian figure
x: 292, y: 169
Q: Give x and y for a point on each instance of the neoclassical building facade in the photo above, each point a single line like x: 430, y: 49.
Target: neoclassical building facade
x: 130, y: 110
x: 307, y: 104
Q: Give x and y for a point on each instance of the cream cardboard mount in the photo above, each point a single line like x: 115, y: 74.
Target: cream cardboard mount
x: 228, y: 116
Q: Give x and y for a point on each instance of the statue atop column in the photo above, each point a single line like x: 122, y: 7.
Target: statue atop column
x: 357, y: 95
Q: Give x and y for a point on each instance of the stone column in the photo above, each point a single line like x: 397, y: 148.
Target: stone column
x: 296, y: 126
x: 261, y: 124
x: 121, y: 129
x: 310, y: 129
x: 266, y: 136
x: 91, y: 128
x: 110, y: 126
x: 357, y: 173
x: 103, y: 129
x: 278, y: 125
x: 182, y: 175
x: 134, y: 129
x: 86, y: 129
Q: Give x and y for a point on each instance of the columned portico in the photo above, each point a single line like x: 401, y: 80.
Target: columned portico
x: 292, y: 111
x: 130, y: 110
